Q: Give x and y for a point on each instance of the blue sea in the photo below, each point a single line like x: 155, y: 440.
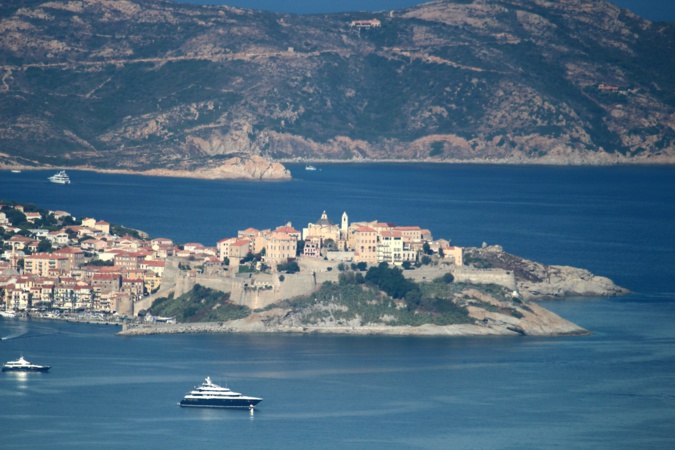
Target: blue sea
x: 612, y: 389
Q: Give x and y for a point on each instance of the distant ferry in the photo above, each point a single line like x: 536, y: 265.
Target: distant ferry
x: 21, y: 365
x: 60, y: 178
x: 210, y: 395
x: 310, y: 167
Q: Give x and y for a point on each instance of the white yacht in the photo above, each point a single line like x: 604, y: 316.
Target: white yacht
x: 60, y: 178
x: 210, y: 395
x: 310, y: 167
x: 21, y: 365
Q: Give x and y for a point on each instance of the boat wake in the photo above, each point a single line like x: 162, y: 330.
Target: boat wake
x: 13, y: 335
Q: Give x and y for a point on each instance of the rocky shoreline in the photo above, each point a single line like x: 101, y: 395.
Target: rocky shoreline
x: 251, y: 168
x: 276, y: 171
x: 247, y: 326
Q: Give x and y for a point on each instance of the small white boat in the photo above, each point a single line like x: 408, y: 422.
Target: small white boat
x: 7, y: 313
x: 310, y: 167
x: 16, y: 171
x: 60, y: 178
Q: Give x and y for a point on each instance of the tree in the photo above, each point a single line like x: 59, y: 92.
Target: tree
x: 427, y: 249
x: 390, y: 280
x: 70, y: 220
x: 15, y: 217
x: 44, y: 246
x: 110, y: 263
x: 291, y: 267
x: 426, y: 260
x: 407, y: 265
x: 362, y: 266
x: 341, y: 267
x: 346, y: 278
x: 413, y: 299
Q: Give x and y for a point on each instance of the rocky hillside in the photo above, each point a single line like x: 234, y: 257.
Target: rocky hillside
x: 149, y: 84
x: 445, y: 309
x: 534, y: 280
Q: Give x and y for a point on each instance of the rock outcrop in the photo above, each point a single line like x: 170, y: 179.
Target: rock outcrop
x: 539, y: 323
x: 239, y: 167
x: 534, y: 280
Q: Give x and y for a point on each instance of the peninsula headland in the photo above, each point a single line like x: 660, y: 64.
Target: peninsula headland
x: 365, y: 277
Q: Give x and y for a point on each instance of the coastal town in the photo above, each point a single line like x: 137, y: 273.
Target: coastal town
x: 54, y: 263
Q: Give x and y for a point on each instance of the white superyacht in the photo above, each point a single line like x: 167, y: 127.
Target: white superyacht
x: 210, y: 395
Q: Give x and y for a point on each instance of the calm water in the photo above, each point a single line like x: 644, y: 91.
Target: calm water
x: 612, y: 389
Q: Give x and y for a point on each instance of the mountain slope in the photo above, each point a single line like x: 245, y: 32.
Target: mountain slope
x: 146, y: 84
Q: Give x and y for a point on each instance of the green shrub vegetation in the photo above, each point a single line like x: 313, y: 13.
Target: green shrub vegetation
x: 201, y: 304
x: 119, y: 230
x: 356, y: 298
x: 291, y: 267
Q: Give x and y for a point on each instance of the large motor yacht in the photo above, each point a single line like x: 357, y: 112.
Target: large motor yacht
x: 210, y: 395
x: 60, y: 178
x: 21, y: 365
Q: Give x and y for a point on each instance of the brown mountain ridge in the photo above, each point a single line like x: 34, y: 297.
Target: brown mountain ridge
x: 154, y: 85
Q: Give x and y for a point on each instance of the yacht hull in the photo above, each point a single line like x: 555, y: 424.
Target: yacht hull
x: 219, y: 403
x: 26, y: 369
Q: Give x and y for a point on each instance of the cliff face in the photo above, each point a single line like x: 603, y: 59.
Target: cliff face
x: 148, y: 84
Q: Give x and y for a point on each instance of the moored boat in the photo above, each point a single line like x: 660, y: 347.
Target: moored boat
x: 210, y: 395
x: 60, y: 177
x: 21, y: 365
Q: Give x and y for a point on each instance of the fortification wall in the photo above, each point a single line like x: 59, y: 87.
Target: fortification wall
x: 259, y: 290
x: 485, y: 276
x: 464, y: 274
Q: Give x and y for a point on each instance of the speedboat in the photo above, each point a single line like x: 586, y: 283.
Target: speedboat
x: 60, y: 178
x: 21, y: 365
x: 310, y: 167
x: 210, y: 395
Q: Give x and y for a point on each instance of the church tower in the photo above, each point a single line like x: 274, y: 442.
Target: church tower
x: 345, y: 223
